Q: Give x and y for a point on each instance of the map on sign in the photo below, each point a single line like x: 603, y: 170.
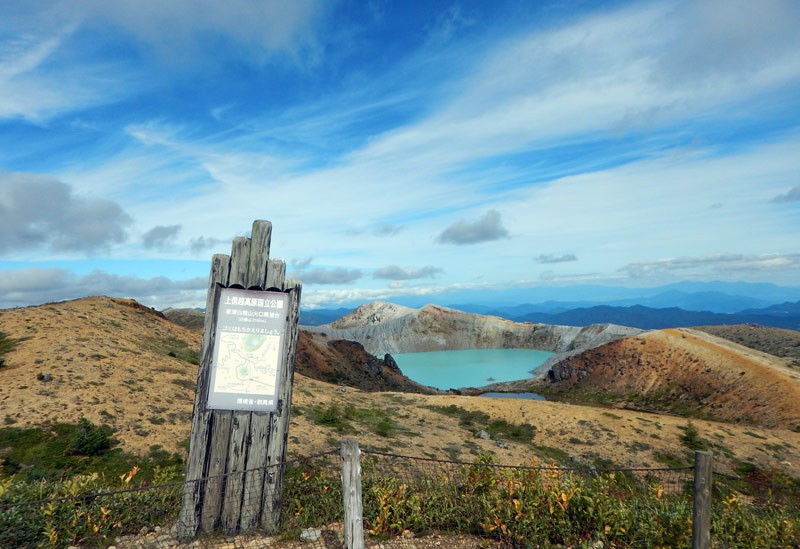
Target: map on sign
x: 248, y: 350
x: 247, y: 363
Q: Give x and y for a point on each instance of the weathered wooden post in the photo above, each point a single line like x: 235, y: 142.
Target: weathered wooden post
x: 351, y: 494
x: 244, y: 390
x: 701, y: 516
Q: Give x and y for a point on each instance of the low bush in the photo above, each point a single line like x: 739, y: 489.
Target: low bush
x: 62, y: 450
x: 541, y: 507
x: 86, y: 520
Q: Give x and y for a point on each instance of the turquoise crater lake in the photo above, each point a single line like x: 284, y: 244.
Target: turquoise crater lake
x: 470, y: 367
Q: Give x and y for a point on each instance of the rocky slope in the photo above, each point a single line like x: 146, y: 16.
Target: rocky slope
x: 684, y: 371
x: 383, y: 329
x: 347, y: 363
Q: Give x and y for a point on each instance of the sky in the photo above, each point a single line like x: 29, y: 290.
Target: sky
x: 400, y: 149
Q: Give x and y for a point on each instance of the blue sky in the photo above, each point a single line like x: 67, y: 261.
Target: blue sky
x: 401, y: 149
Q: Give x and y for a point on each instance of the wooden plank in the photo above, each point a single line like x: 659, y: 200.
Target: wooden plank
x: 279, y: 423
x: 234, y: 481
x: 351, y: 495
x: 189, y: 517
x: 239, y: 434
x: 276, y: 274
x: 217, y: 458
x: 701, y: 513
x: 259, y: 432
x: 261, y: 237
x: 240, y: 257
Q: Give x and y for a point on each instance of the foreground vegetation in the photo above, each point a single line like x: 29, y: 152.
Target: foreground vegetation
x: 65, y: 450
x: 524, y: 507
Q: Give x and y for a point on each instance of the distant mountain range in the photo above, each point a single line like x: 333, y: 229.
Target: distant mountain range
x: 649, y: 318
x: 784, y: 315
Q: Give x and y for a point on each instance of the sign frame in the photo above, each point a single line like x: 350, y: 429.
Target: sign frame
x: 250, y: 333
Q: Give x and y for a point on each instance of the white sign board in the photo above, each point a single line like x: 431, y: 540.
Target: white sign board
x: 248, y: 350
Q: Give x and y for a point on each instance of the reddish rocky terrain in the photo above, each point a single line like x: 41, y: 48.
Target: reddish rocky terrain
x: 688, y: 372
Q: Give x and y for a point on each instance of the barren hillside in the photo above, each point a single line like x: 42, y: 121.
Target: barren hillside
x: 109, y: 360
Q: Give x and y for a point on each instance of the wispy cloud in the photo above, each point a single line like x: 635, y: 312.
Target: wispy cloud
x: 384, y: 229
x: 393, y: 272
x: 203, y: 243
x: 314, y: 299
x: 160, y: 235
x: 184, y: 32
x: 487, y: 228
x: 550, y: 258
x: 38, y: 211
x: 301, y: 264
x: 714, y: 263
x: 327, y: 276
x: 793, y: 195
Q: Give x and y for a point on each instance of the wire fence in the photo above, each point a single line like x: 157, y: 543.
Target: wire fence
x: 79, y: 512
x: 407, y: 502
x: 519, y: 506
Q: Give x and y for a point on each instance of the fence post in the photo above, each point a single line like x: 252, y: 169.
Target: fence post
x: 351, y: 493
x: 701, y: 517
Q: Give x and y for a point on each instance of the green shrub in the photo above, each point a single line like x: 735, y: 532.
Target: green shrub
x: 33, y: 455
x: 7, y: 344
x: 91, y: 440
x: 691, y: 438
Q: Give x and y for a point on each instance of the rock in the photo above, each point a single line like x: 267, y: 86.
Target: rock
x: 144, y: 531
x: 391, y: 363
x: 310, y: 534
x: 500, y: 444
x: 386, y: 328
x: 483, y: 435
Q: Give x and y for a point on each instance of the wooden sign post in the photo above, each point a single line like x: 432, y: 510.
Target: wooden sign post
x: 244, y: 392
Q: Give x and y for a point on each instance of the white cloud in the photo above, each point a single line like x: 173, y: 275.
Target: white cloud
x: 38, y: 211
x: 160, y: 235
x: 315, y: 299
x: 40, y: 285
x: 487, y: 228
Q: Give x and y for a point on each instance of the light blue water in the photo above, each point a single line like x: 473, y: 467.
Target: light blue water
x: 470, y: 367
